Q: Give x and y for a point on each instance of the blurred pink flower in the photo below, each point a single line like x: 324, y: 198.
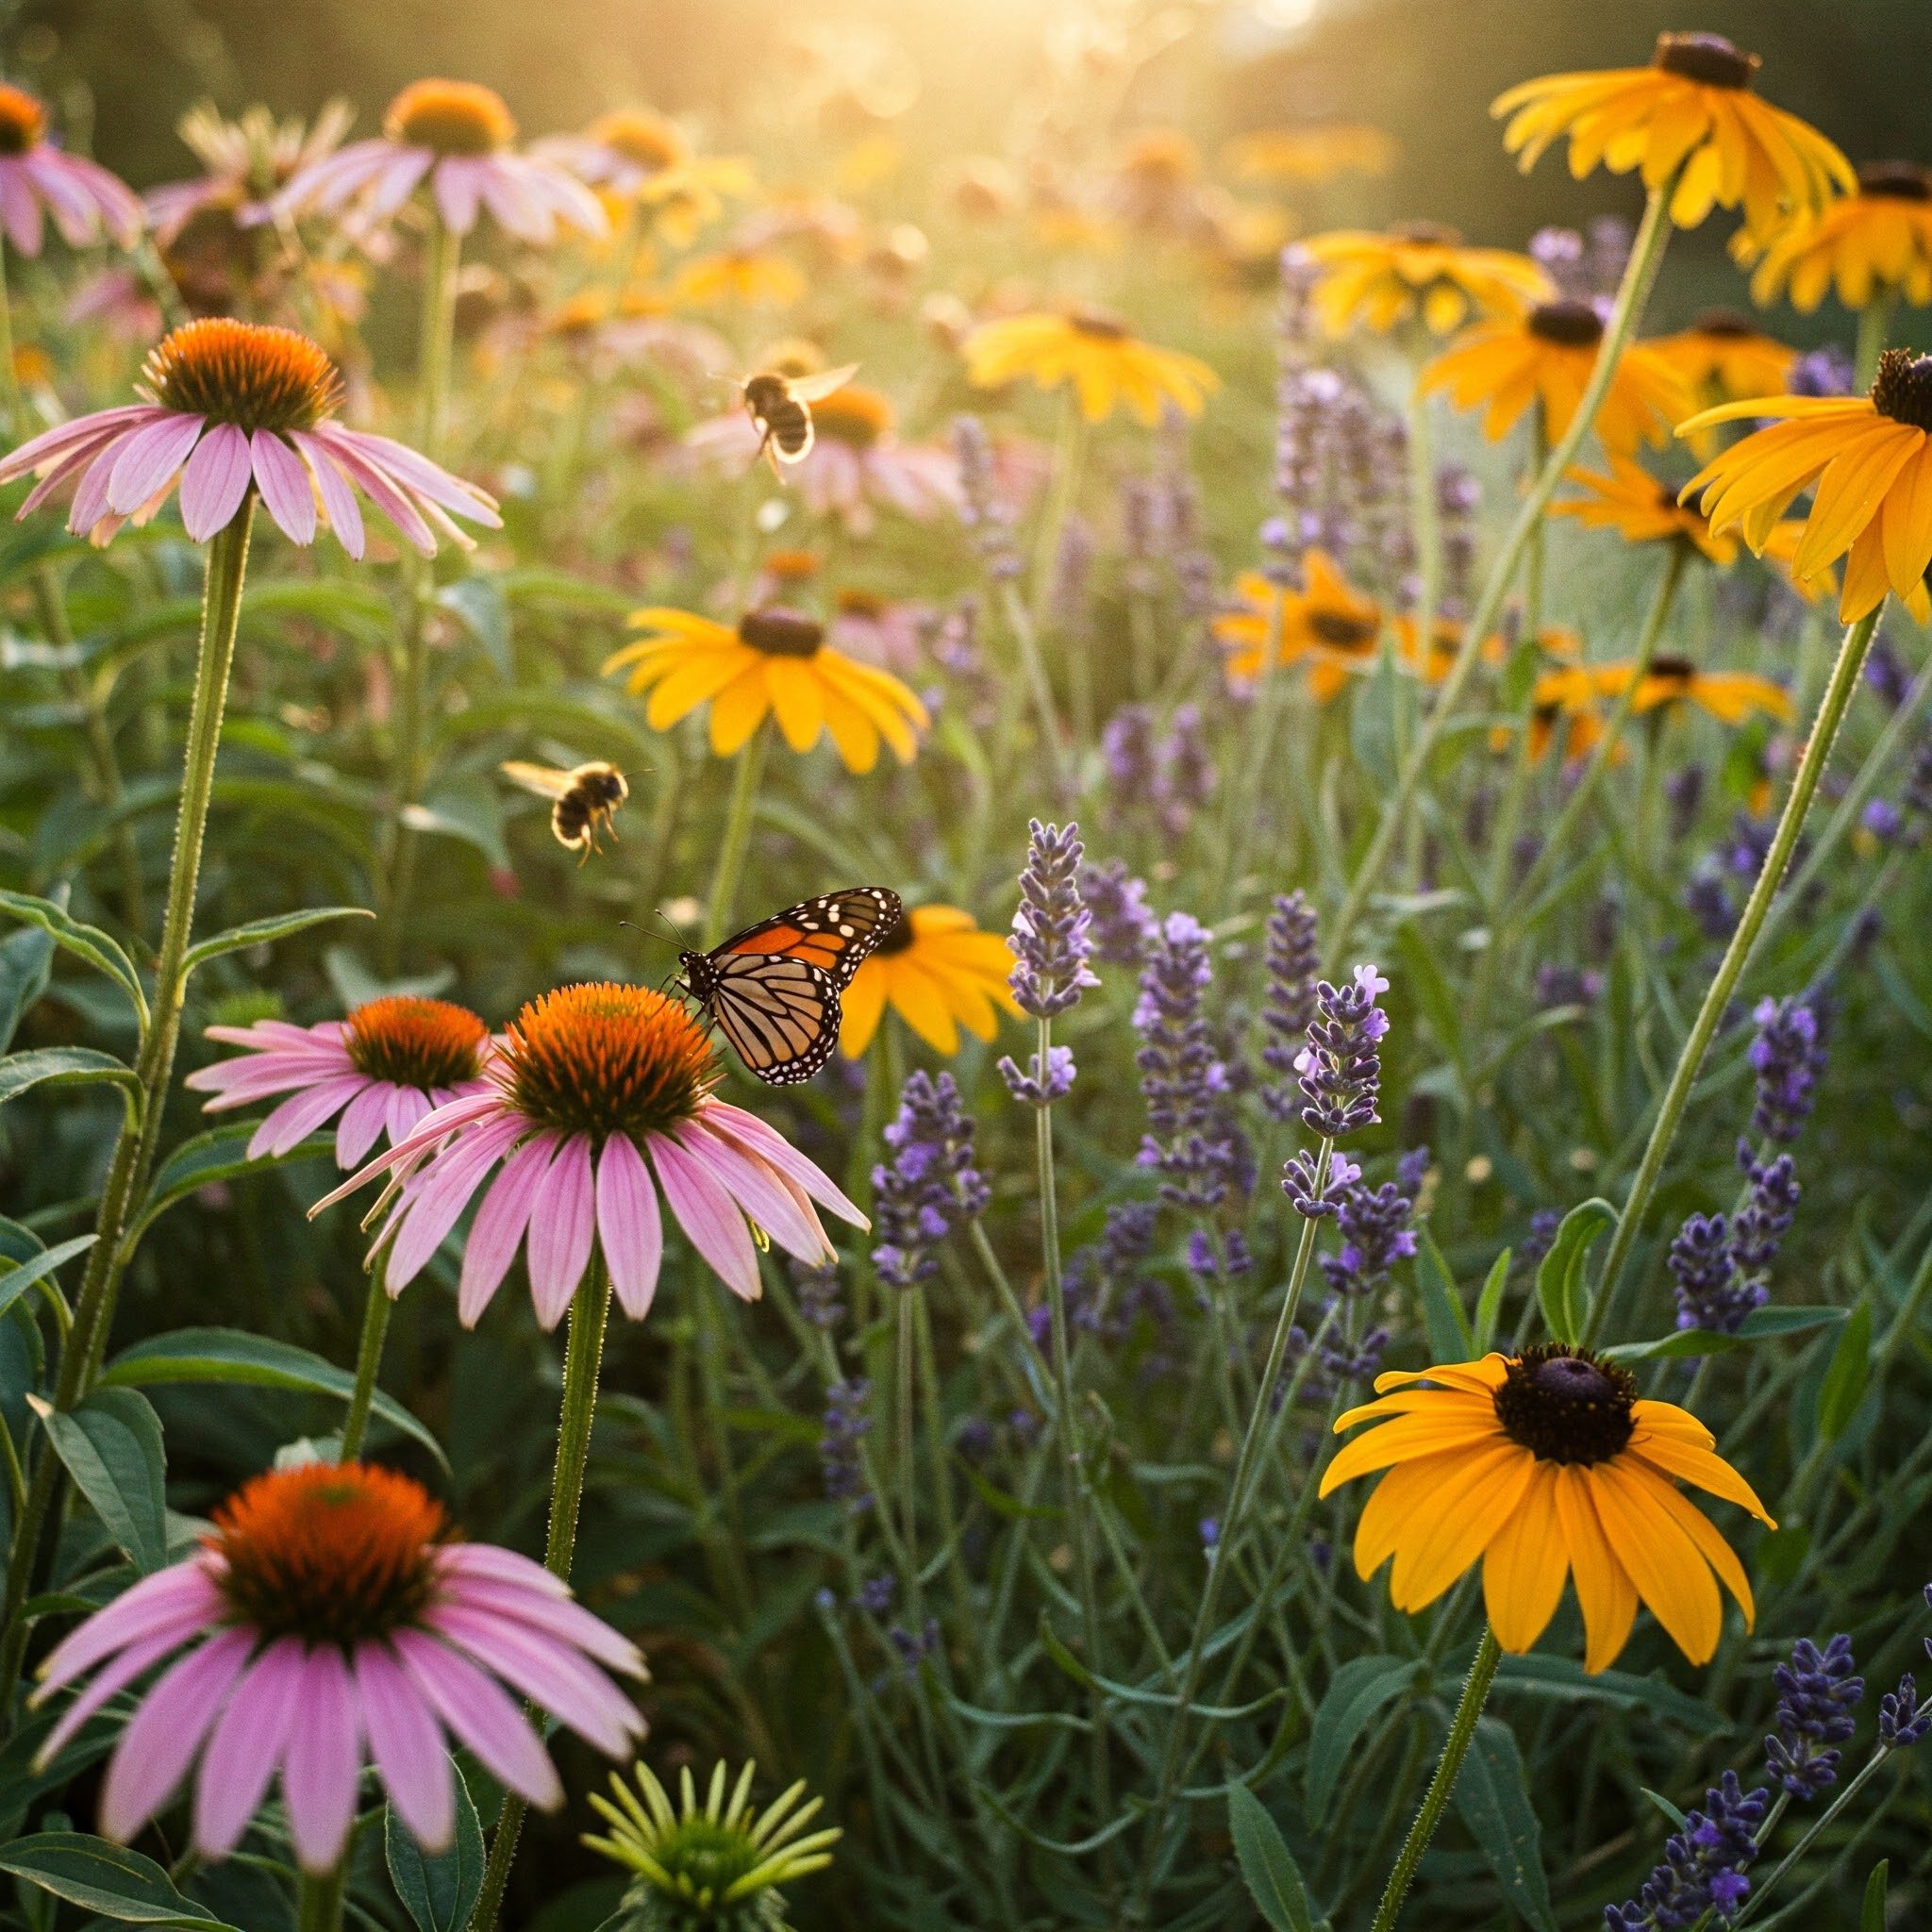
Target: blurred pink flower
x: 885, y: 631
x: 82, y: 197
x: 245, y: 161
x: 335, y: 1609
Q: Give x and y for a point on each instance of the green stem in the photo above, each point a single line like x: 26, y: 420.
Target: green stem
x: 1831, y: 710
x: 1454, y: 1748
x: 1026, y: 636
x: 134, y: 1151
x: 731, y: 851
x: 903, y: 1318
x: 375, y: 1314
x: 1875, y: 328
x: 1646, y: 254
x: 319, y: 1900
x: 590, y: 1309
x: 1428, y: 544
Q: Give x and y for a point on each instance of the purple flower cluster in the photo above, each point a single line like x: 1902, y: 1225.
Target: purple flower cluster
x: 1788, y: 1055
x: 1182, y: 1075
x: 1899, y: 1723
x: 1375, y: 1226
x: 930, y: 1186
x: 1458, y: 497
x: 1050, y: 934
x: 818, y: 1293
x: 1917, y: 795
x: 1719, y: 1263
x: 982, y: 510
x: 1156, y: 779
x: 1073, y: 576
x: 1314, y: 1194
x: 1107, y: 1292
x: 841, y: 1459
x: 1704, y: 1865
x: 1122, y: 921
x: 1817, y: 1694
x: 1823, y: 372
x: 1292, y: 959
x: 1341, y: 1067
x: 1885, y: 673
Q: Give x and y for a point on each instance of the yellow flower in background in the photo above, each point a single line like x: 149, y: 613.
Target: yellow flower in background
x: 1730, y: 696
x: 1106, y: 362
x: 1330, y: 623
x: 1445, y: 646
x: 1875, y: 243
x: 751, y: 276
x: 1546, y: 1466
x: 1724, y: 356
x: 1546, y: 357
x: 1314, y: 154
x: 1691, y: 108
x: 938, y: 972
x: 1381, y: 280
x: 774, y: 662
x: 1633, y: 503
x: 1870, y: 461
x: 1780, y: 552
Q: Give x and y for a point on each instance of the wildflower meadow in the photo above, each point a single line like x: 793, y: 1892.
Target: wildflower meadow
x: 933, y: 997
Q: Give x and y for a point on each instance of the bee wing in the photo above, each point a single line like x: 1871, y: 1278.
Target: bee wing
x: 544, y: 781
x: 815, y: 389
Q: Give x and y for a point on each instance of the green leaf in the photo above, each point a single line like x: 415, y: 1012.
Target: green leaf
x: 110, y: 1879
x: 1451, y: 1338
x: 1488, y: 1305
x: 1760, y: 1325
x: 219, y: 1155
x: 228, y: 1355
x: 263, y: 932
x: 1538, y: 1674
x: 437, y: 1889
x: 1872, y: 1915
x: 99, y: 949
x: 1843, y: 1387
x: 1268, y: 1866
x: 26, y: 959
x: 65, y: 1066
x: 111, y: 1446
x: 1494, y: 1803
x: 1371, y: 723
x: 466, y: 809
x: 1355, y: 1693
x: 1560, y: 1279
x: 1679, y: 1822
x: 17, y: 1279
x: 1423, y: 977
x: 479, y: 602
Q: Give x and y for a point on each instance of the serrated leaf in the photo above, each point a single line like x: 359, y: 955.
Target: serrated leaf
x: 437, y: 1889
x: 263, y: 932
x: 1451, y: 1340
x: 228, y: 1355
x: 1488, y: 1305
x: 1355, y: 1693
x: 110, y: 1879
x: 111, y: 1446
x: 1494, y: 1803
x: 26, y: 957
x: 1559, y: 1287
x: 1268, y: 1866
x: 65, y: 1066
x: 16, y: 1280
x: 1843, y: 1386
x: 99, y: 949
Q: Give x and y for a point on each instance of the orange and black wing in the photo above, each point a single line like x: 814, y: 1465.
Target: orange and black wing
x: 833, y: 933
x: 780, y: 1013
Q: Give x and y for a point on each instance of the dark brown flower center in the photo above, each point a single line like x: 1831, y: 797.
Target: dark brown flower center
x: 23, y: 121
x: 1723, y: 322
x: 415, y: 1042
x: 781, y: 633
x: 249, y: 373
x: 1564, y: 1405
x: 1098, y: 325
x: 452, y: 117
x: 1678, y: 672
x: 1340, y: 631
x: 1427, y: 234
x: 1708, y: 58
x: 899, y: 939
x: 1904, y: 388
x: 1895, y: 181
x: 1573, y: 325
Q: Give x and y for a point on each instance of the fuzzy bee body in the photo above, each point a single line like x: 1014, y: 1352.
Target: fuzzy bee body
x: 778, y: 406
x: 582, y: 799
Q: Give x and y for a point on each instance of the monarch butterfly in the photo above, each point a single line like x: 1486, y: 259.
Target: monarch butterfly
x: 774, y: 988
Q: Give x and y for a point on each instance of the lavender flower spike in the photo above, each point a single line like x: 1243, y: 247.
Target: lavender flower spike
x: 1050, y: 930
x: 1788, y: 1056
x: 1315, y: 1195
x: 1341, y: 1067
x: 931, y: 1185
x: 1035, y: 1087
x: 1817, y: 1694
x: 1291, y: 957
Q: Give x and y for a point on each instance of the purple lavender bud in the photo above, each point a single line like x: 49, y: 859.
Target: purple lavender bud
x: 1710, y: 1293
x: 1341, y: 1067
x: 818, y: 1293
x: 1541, y: 1238
x: 1184, y: 777
x: 1034, y: 1088
x: 1899, y: 1723
x: 1825, y: 372
x: 875, y: 1594
x: 1411, y: 1170
x: 840, y: 1456
x: 1817, y: 1694
x: 1883, y: 820
x: 981, y: 508
x: 1683, y: 794
x: 1050, y: 936
x: 1567, y: 986
x: 1312, y: 1195
x: 930, y: 1186
x: 1704, y: 1864
x: 1291, y: 958
x: 1182, y: 1075
x: 1789, y: 1055
x: 1765, y: 1219
x: 1458, y: 497
x: 1073, y: 574
x: 1373, y: 1224
x: 1885, y: 673
x: 1210, y: 1534
x: 1124, y: 922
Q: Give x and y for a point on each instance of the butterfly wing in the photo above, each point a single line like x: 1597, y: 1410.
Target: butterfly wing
x: 780, y: 1014
x: 834, y: 933
x: 541, y: 779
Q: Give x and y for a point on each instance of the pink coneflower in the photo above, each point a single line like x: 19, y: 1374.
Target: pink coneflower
x: 232, y: 406
x: 337, y: 1608
x: 594, y: 1090
x: 389, y: 1064
x: 457, y: 136
x: 83, y: 198
x: 245, y: 161
x: 887, y: 632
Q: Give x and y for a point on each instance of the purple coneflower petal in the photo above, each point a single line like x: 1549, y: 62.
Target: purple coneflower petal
x: 360, y: 1126
x: 20, y: 212
x: 246, y: 1748
x: 64, y: 469
x: 214, y: 482
x: 416, y: 473
x: 163, y: 1734
x: 338, y: 500
x: 111, y: 1677
x: 572, y: 1692
x: 492, y: 1560
x: 457, y: 183
x: 286, y: 491
x: 408, y: 1107
x: 560, y: 1617
x: 709, y: 1216
x: 180, y: 1601
x: 499, y: 1227
x: 434, y: 1200
x: 323, y: 1760
x: 517, y: 204
x: 292, y: 1123
x: 767, y: 1142
x: 149, y: 458
x: 476, y: 1707
x: 377, y: 483
x: 88, y: 509
x: 759, y: 1190
x: 630, y: 1227
x: 284, y: 1033
x: 406, y: 1741
x: 94, y: 427
x: 433, y: 1129
x: 562, y: 1226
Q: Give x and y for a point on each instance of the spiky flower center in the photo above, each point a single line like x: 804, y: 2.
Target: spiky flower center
x: 1098, y: 326
x: 704, y: 1857
x: 250, y: 374
x: 1427, y: 234
x: 451, y: 117
x: 605, y: 1058
x: 1708, y: 58
x: 853, y: 415
x: 1895, y: 181
x: 1904, y: 388
x: 1572, y: 324
x: 1342, y: 631
x: 643, y: 139
x: 1729, y: 323
x: 416, y: 1043
x: 23, y: 121
x: 781, y: 633
x: 1565, y: 1405
x: 332, y: 1552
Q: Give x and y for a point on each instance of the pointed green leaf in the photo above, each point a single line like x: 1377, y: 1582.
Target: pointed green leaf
x: 1760, y: 1325
x: 263, y: 932
x: 1268, y: 1866
x: 1559, y: 1286
x: 111, y: 1446
x: 1355, y: 1693
x: 219, y: 1155
x: 65, y: 1066
x: 26, y: 959
x: 1872, y: 1916
x: 1488, y: 1305
x: 99, y: 949
x: 437, y: 1889
x: 109, y: 1879
x: 1843, y: 1387
x: 21, y: 1276
x: 1451, y: 1338
x: 1494, y: 1803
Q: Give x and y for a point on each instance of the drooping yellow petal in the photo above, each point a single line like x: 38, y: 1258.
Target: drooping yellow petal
x: 1669, y: 1575
x: 798, y: 699
x: 1696, y: 1463
x: 863, y: 1005
x: 1850, y: 491
x: 1699, y: 1529
x: 1526, y: 1565
x: 739, y: 710
x: 1604, y: 1589
x: 1447, y: 1424
x: 917, y: 1000
x: 1469, y: 1509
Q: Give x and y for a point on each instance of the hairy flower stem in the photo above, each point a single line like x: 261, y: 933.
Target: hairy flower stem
x: 319, y: 1900
x: 590, y: 1310
x: 745, y: 775
x: 1069, y: 1424
x: 1875, y: 330
x: 1831, y: 710
x: 1256, y: 1442
x: 375, y: 1314
x: 1646, y: 255
x: 134, y: 1152
x: 1482, y: 1671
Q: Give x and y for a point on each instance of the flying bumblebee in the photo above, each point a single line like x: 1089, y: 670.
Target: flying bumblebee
x: 585, y: 798
x: 778, y: 406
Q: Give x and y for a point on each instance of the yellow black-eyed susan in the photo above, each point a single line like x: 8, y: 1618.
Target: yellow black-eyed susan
x: 1107, y: 364
x: 1633, y: 503
x: 1725, y: 356
x: 1874, y: 245
x: 1380, y: 277
x: 939, y: 972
